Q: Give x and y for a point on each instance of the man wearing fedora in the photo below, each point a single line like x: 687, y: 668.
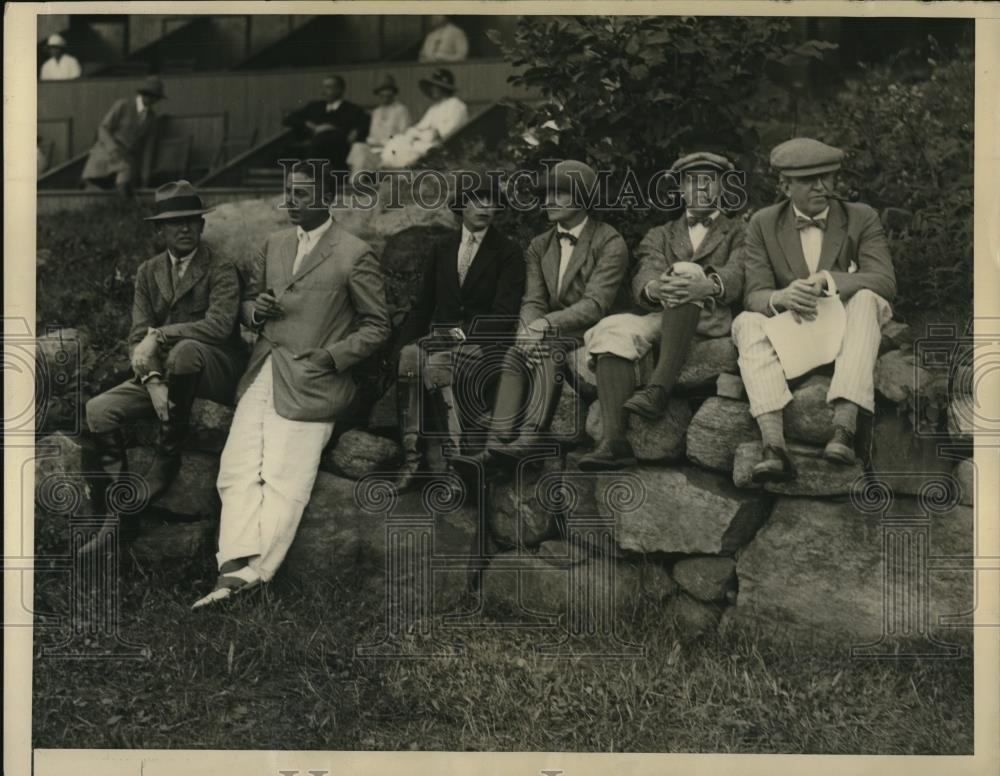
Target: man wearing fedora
x: 689, y: 273
x: 327, y: 127
x: 114, y: 159
x: 389, y: 118
x: 575, y: 273
x: 316, y: 298
x: 60, y: 66
x: 184, y: 343
x: 463, y: 317
x: 445, y: 115
x: 810, y: 245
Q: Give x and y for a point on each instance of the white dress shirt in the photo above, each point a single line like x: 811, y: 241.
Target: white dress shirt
x: 332, y: 106
x: 566, y: 250
x: 445, y: 44
x: 698, y: 231
x: 811, y: 238
x: 181, y: 263
x: 140, y: 106
x: 308, y: 240
x: 66, y: 68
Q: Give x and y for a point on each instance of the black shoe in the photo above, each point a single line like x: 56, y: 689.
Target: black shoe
x: 649, y: 402
x: 840, y: 448
x: 167, y: 455
x: 607, y: 456
x: 774, y: 466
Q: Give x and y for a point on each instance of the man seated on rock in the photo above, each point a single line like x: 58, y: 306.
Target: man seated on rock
x: 689, y: 272
x: 185, y: 343
x: 316, y: 299
x: 575, y: 277
x: 812, y: 244
x: 464, y: 312
x: 327, y: 127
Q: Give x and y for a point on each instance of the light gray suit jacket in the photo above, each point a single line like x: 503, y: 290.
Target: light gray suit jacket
x: 336, y: 301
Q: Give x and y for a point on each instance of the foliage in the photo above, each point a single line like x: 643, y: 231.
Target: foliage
x: 911, y: 148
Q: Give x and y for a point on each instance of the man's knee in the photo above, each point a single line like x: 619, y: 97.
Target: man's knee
x: 101, y: 416
x: 185, y: 358
x: 748, y: 326
x: 865, y: 297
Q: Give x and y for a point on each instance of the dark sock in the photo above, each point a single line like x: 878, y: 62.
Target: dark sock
x: 510, y: 394
x: 615, y: 384
x: 676, y: 333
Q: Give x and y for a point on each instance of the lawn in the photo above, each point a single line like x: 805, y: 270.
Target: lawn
x: 278, y: 672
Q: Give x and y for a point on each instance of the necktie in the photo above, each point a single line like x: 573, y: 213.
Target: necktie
x: 571, y: 238
x: 705, y: 221
x: 803, y: 222
x: 465, y: 260
x: 175, y: 273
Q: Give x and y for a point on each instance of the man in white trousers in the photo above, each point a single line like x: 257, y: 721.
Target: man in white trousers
x: 317, y: 300
x: 811, y: 244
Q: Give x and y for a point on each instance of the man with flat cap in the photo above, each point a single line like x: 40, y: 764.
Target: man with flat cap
x: 184, y: 342
x: 689, y: 273
x: 811, y: 246
x: 114, y: 159
x: 575, y: 276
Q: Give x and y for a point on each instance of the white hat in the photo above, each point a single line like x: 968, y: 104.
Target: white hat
x: 56, y: 40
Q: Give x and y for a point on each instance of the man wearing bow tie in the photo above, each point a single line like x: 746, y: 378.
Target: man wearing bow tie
x: 690, y: 272
x: 575, y: 276
x: 812, y: 244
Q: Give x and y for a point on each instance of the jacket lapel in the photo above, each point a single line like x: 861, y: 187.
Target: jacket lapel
x: 578, y: 256
x: 550, y: 265
x: 196, y: 271
x: 317, y: 255
x: 715, y: 234
x: 791, y: 244
x: 680, y: 239
x: 161, y: 273
x: 833, y: 237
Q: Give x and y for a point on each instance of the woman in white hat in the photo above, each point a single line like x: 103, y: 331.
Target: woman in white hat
x: 60, y: 66
x: 446, y: 114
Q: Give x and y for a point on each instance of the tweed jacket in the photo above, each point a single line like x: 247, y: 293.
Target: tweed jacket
x: 204, y: 306
x: 120, y: 137
x: 855, y: 252
x: 593, y: 284
x: 335, y: 301
x: 721, y: 251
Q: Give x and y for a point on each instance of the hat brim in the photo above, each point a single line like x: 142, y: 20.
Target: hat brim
x: 178, y: 214
x: 381, y: 89
x: 427, y: 83
x: 802, y: 172
x: 701, y: 167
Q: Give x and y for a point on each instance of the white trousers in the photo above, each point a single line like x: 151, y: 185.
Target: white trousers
x: 853, y: 369
x: 266, y: 476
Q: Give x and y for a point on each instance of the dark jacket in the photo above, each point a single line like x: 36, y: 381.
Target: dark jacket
x: 347, y: 117
x: 485, y: 305
x: 853, y: 234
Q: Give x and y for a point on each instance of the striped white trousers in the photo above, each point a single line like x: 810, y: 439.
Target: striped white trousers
x: 853, y: 369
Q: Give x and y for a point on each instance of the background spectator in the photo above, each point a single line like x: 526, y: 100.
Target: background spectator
x: 330, y: 125
x: 446, y: 42
x: 60, y: 66
x: 442, y: 118
x: 390, y: 118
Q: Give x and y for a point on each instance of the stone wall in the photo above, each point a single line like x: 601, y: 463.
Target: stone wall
x: 828, y: 556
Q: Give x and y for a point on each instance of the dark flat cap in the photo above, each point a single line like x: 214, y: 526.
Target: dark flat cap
x: 569, y: 175
x: 802, y: 156
x: 702, y: 160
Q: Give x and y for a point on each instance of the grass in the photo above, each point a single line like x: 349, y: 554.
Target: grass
x: 278, y: 672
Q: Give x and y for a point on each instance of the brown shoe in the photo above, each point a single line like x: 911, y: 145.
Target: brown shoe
x: 840, y: 448
x: 607, y: 456
x: 774, y: 466
x: 649, y: 402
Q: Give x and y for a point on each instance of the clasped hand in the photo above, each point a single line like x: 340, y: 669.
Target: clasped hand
x: 144, y: 357
x: 674, y: 290
x: 801, y: 297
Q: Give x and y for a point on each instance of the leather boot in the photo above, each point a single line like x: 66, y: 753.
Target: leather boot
x: 167, y: 454
x: 103, y: 460
x: 407, y: 413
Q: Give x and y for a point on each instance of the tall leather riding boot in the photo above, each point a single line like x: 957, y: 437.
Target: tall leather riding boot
x: 408, y: 414
x: 103, y: 460
x: 167, y: 454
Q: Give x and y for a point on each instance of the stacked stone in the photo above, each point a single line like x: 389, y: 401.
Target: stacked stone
x: 685, y: 533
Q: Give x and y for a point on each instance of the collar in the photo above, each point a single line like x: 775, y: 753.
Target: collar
x: 466, y: 234
x: 335, y: 103
x: 576, y: 230
x: 824, y: 214
x: 138, y: 104
x: 182, y: 259
x: 713, y: 216
x: 315, y: 233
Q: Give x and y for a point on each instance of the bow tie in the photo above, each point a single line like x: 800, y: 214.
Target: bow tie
x: 803, y: 222
x: 705, y: 221
x: 568, y: 236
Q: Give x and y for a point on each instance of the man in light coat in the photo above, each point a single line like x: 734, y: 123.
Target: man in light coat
x: 808, y: 245
x: 317, y: 300
x: 114, y: 159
